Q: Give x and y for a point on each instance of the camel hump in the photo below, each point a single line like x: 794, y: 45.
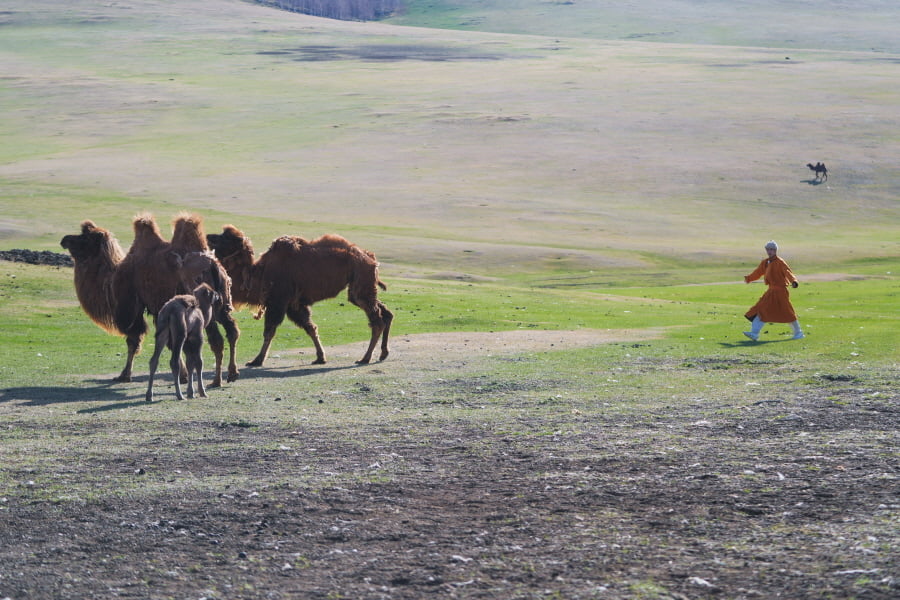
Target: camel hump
x: 145, y: 222
x: 332, y: 240
x: 146, y: 231
x: 287, y: 243
x: 188, y: 232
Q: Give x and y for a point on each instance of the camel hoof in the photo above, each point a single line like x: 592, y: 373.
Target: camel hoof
x: 254, y: 363
x: 383, y: 356
x: 215, y: 383
x: 122, y: 379
x: 318, y: 361
x: 363, y: 361
x: 232, y: 377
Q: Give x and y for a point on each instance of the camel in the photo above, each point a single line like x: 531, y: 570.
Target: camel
x: 115, y: 289
x: 154, y: 285
x: 295, y: 273
x: 820, y: 170
x: 179, y: 325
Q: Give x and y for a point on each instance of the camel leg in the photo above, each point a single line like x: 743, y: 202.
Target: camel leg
x: 378, y: 326
x: 388, y: 318
x: 274, y: 317
x: 302, y: 316
x: 217, y: 345
x: 154, y: 363
x: 182, y: 369
x: 195, y: 366
x: 190, y: 367
x: 232, y: 332
x: 129, y: 319
x: 175, y: 364
x: 134, y: 336
x: 192, y: 351
x: 134, y: 347
x: 198, y: 369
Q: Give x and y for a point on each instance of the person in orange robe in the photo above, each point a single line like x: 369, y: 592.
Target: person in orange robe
x: 775, y: 305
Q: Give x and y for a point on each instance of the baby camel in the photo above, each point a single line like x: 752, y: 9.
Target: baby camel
x: 180, y: 326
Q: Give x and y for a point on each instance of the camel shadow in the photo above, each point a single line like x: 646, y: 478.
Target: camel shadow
x: 49, y: 395
x: 813, y: 181
x: 164, y: 390
x: 294, y: 371
x: 114, y: 398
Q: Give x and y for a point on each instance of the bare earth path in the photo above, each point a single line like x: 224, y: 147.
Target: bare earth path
x: 444, y: 473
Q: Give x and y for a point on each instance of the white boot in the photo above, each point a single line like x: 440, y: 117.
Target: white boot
x: 798, y: 333
x: 755, y: 327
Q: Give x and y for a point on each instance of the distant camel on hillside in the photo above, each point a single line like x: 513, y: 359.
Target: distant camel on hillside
x: 820, y: 170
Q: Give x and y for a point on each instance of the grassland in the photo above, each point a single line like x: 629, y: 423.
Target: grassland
x: 563, y: 218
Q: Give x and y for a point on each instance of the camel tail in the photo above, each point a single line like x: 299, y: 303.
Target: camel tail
x: 162, y: 330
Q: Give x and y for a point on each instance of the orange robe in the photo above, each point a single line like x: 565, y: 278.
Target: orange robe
x: 775, y: 305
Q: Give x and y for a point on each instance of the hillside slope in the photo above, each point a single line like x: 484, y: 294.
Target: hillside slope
x: 488, y: 154
x: 866, y: 25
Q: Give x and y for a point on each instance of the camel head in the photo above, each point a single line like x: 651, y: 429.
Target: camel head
x: 92, y: 243
x: 206, y: 297
x: 230, y: 242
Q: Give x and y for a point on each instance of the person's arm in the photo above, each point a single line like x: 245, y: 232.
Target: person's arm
x: 757, y: 273
x: 789, y: 276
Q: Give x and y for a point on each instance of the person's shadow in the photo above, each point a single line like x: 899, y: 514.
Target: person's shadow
x: 746, y: 343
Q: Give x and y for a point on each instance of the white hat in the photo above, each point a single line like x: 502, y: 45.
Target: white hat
x: 771, y: 244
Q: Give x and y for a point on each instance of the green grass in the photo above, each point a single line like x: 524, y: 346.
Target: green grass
x: 47, y: 336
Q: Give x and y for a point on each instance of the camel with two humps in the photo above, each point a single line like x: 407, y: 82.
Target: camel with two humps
x: 293, y: 274
x: 820, y: 170
x: 116, y: 289
x: 179, y: 326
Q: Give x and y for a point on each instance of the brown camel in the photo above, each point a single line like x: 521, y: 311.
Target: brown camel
x: 295, y: 273
x: 116, y: 289
x: 149, y: 268
x: 179, y: 326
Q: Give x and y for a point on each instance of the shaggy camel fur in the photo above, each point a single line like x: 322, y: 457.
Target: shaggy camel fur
x: 97, y: 255
x: 293, y: 274
x: 115, y: 289
x: 179, y: 326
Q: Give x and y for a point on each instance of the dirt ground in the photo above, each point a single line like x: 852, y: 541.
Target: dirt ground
x: 779, y: 499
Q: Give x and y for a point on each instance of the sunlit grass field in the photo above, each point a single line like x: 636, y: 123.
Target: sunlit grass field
x: 850, y: 324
